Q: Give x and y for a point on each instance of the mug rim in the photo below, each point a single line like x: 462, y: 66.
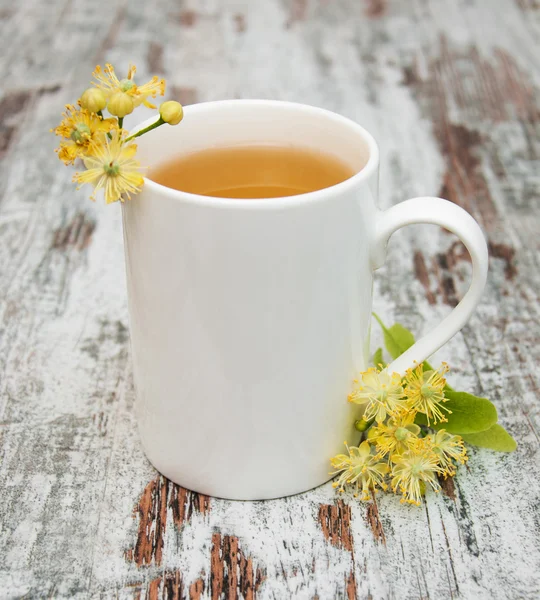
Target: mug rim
x: 280, y: 201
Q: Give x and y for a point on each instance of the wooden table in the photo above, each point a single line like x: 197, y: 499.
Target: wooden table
x: 450, y: 90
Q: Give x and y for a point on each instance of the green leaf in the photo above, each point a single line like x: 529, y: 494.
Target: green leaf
x: 398, y: 339
x: 470, y: 414
x: 495, y: 438
x: 378, y: 358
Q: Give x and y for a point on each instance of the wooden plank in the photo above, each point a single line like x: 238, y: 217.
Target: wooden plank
x: 450, y: 90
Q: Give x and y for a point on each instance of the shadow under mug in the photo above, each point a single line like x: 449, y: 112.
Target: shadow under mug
x: 250, y: 319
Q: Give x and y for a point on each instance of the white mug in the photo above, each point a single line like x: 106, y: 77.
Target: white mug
x: 250, y: 319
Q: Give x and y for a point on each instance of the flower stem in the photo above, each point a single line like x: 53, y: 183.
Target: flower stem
x: 120, y: 122
x: 157, y: 123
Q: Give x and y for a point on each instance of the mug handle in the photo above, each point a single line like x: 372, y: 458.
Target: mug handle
x: 441, y: 212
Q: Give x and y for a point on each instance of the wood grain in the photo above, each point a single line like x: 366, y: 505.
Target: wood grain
x: 450, y: 91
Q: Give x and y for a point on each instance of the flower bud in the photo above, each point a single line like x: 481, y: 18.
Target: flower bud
x: 171, y: 112
x: 120, y: 104
x: 362, y: 424
x: 93, y: 99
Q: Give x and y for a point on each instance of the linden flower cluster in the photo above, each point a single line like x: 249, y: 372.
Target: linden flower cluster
x: 398, y: 453
x: 102, y: 144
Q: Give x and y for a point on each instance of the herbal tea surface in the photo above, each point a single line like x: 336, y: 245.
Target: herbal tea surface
x: 252, y: 171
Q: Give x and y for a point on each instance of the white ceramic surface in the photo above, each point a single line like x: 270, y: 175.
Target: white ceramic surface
x: 249, y: 319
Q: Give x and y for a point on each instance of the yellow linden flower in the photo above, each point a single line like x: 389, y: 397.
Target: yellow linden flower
x: 425, y: 392
x: 83, y: 130
x: 359, y: 468
x: 108, y: 82
x: 413, y: 470
x: 380, y: 392
x: 398, y: 434
x: 112, y: 168
x: 448, y: 447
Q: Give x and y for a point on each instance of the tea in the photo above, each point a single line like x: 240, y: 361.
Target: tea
x: 252, y: 171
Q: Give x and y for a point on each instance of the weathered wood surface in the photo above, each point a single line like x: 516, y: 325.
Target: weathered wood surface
x: 450, y: 90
